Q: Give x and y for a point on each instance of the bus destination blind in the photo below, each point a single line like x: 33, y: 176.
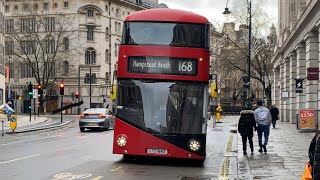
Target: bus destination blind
x: 162, y: 65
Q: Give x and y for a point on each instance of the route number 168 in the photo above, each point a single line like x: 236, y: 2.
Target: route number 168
x: 185, y: 66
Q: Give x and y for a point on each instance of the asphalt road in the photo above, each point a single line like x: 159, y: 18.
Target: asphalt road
x: 67, y: 153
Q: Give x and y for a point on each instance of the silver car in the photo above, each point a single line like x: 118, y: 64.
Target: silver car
x: 94, y: 118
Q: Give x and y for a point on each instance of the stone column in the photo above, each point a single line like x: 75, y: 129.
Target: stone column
x: 287, y: 88
x: 282, y: 88
x: 301, y: 74
x: 318, y: 109
x: 312, y: 53
x: 276, y: 96
x: 292, y: 85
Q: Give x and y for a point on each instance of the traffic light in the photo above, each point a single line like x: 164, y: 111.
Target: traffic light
x: 72, y: 96
x: 38, y: 103
x: 77, y: 96
x: 62, y: 88
x: 40, y: 89
x: 30, y: 89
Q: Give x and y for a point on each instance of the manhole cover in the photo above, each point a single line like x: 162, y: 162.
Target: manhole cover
x: 233, y: 131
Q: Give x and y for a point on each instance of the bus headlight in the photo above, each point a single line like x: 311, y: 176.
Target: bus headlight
x: 194, y: 145
x: 122, y: 141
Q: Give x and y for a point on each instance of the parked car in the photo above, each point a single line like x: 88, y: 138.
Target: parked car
x: 96, y: 118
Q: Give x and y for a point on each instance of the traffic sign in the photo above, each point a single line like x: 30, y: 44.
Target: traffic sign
x: 35, y: 93
x: 299, y: 85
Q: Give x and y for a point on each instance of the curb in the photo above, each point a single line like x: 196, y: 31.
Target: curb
x: 38, y: 129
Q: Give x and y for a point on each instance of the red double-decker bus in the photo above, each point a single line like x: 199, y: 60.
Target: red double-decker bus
x: 162, y: 85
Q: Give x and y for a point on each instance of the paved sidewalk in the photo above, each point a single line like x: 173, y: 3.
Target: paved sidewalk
x: 23, y: 121
x: 286, y: 157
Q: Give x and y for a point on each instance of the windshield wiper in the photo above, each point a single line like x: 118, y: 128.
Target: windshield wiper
x: 147, y: 80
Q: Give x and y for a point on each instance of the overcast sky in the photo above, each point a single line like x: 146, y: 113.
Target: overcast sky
x: 213, y: 9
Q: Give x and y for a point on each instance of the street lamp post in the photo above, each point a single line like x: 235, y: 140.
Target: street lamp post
x: 247, y: 94
x: 9, y: 88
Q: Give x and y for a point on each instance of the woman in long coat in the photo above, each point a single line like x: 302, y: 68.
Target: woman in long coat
x: 245, y: 127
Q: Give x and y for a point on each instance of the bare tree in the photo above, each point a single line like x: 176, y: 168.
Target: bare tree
x: 40, y: 40
x: 235, y: 49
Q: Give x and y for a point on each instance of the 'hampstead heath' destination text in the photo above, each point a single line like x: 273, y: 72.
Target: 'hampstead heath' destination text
x: 161, y: 65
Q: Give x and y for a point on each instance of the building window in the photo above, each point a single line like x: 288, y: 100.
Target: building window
x: 28, y: 47
x: 9, y: 25
x: 25, y: 7
x: 66, y: 44
x: 93, y: 78
x: 26, y: 70
x: 90, y: 57
x: 46, y: 6
x: 66, y: 4
x: 107, y: 33
x: 118, y: 13
x: 50, y: 45
x: 116, y: 49
x: 35, y: 7
x: 50, y: 70
x: 108, y: 78
x: 55, y: 5
x: 65, y: 68
x: 90, y: 33
x: 107, y: 57
x: 49, y: 24
x: 117, y: 26
x: 90, y: 12
x: 16, y: 7
x: 9, y: 45
x: 7, y: 8
x: 28, y: 25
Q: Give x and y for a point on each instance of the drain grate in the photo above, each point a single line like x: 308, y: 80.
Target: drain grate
x: 233, y: 131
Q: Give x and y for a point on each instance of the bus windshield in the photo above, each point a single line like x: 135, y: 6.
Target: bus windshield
x: 166, y: 34
x: 162, y: 107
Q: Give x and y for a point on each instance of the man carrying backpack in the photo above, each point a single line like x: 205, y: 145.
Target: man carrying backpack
x: 245, y: 128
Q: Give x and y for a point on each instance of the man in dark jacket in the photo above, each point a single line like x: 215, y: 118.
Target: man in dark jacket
x: 245, y: 128
x: 274, y: 111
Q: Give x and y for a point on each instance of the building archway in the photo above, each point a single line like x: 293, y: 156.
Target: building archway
x: 51, y: 100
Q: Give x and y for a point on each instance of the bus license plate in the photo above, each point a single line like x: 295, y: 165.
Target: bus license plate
x: 157, y: 151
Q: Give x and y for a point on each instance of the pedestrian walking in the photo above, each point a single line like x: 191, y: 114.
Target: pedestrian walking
x: 263, y: 120
x: 274, y: 111
x: 245, y: 128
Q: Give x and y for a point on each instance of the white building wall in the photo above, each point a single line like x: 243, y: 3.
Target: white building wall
x: 299, y: 22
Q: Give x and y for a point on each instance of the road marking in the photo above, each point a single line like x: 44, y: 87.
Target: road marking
x: 70, y: 176
x: 116, y: 169
x: 75, y: 146
x: 20, y: 142
x: 4, y: 162
x: 97, y: 178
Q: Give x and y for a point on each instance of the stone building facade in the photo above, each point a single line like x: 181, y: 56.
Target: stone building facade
x: 297, y: 50
x: 2, y: 59
x: 93, y: 47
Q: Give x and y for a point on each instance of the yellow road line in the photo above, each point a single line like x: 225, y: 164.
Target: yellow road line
x: 116, y: 169
x: 224, y: 171
x: 97, y: 178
